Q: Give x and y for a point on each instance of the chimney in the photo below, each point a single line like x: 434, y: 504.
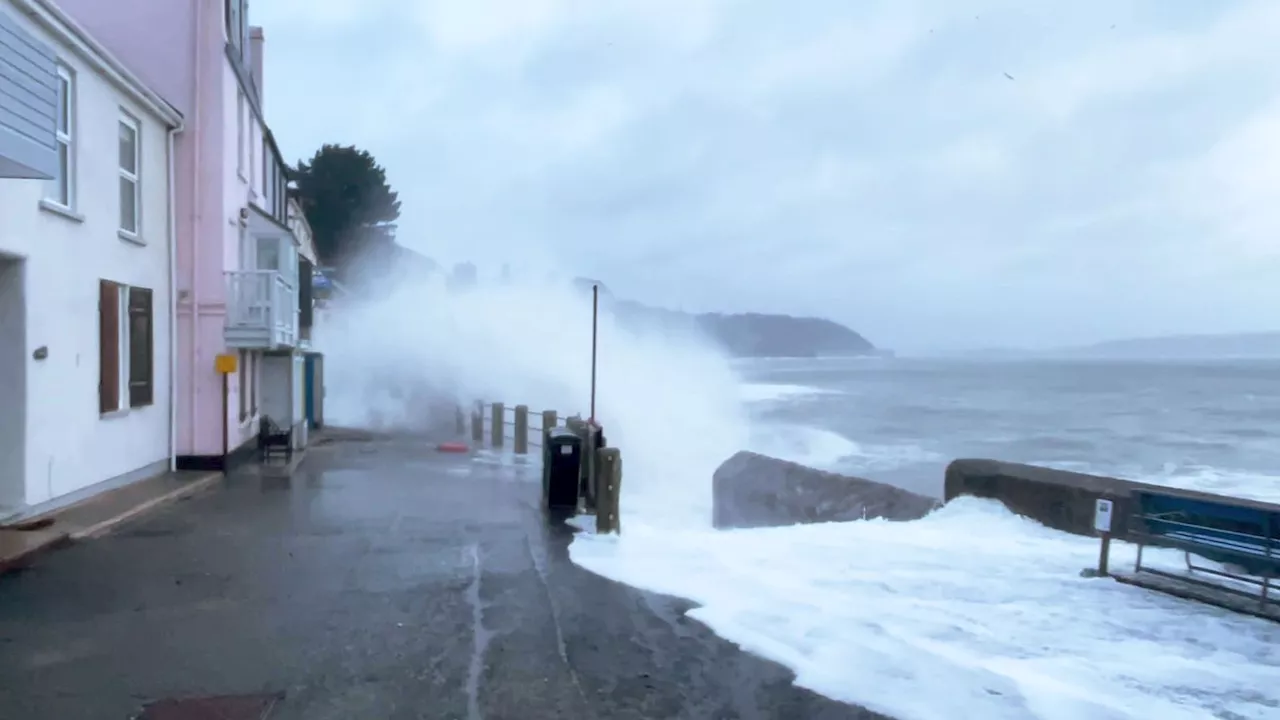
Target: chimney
x: 255, y: 60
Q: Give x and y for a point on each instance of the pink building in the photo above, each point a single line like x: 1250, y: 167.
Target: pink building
x: 239, y: 276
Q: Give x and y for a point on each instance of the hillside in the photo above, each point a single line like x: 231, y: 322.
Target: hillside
x: 747, y: 334
x: 1240, y: 345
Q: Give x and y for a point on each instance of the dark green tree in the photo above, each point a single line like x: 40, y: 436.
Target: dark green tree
x: 345, y: 195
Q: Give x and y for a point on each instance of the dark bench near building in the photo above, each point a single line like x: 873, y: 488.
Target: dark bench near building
x: 1240, y: 536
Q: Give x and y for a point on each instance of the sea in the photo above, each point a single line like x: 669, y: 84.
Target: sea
x: 973, y: 611
x: 1211, y: 425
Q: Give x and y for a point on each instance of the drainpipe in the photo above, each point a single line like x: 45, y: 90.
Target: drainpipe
x: 172, y: 231
x: 197, y: 213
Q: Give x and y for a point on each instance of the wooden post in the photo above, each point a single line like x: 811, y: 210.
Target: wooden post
x: 521, y: 444
x: 590, y: 477
x: 498, y: 425
x: 226, y: 431
x: 609, y: 464
x: 477, y: 427
x: 1103, y: 510
x: 225, y: 364
x: 549, y: 420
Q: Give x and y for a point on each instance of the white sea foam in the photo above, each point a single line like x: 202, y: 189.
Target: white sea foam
x: 1222, y: 481
x: 970, y: 613
x: 778, y: 392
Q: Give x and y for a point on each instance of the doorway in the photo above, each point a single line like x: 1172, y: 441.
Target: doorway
x: 13, y: 384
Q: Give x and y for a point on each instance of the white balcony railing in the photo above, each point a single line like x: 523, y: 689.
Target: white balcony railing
x: 262, y: 310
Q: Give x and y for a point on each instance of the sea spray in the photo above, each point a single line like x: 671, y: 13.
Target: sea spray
x: 667, y: 397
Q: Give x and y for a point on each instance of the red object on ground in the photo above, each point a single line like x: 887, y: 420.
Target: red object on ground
x: 452, y: 447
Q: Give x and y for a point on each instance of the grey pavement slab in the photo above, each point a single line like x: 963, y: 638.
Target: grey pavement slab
x: 383, y: 580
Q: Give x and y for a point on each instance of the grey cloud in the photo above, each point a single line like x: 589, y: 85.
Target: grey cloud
x: 869, y: 161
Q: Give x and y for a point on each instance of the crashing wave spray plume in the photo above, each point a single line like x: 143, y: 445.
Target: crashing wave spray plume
x: 667, y: 398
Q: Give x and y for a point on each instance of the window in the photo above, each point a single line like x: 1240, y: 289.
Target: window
x: 126, y: 372
x: 248, y: 385
x: 235, y: 14
x: 253, y: 384
x: 282, y: 197
x: 244, y: 395
x: 252, y: 153
x: 244, y: 29
x: 240, y: 132
x: 130, y: 167
x: 61, y: 189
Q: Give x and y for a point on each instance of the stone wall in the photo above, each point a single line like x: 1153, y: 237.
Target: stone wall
x: 753, y: 490
x: 1057, y: 498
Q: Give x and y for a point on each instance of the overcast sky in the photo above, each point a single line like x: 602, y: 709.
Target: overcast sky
x: 935, y: 174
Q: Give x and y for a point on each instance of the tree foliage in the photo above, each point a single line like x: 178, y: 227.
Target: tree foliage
x: 345, y: 195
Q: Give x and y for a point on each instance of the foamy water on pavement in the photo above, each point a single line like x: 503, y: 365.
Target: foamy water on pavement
x: 970, y: 613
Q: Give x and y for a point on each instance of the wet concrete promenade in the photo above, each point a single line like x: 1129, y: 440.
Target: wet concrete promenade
x: 383, y: 581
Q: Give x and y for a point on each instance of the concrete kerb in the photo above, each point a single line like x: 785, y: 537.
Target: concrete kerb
x: 90, y: 518
x: 106, y: 525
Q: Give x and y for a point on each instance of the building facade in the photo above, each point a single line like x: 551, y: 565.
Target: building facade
x: 237, y: 283
x: 86, y: 265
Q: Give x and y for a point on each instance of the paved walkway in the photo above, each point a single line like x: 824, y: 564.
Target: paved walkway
x: 383, y: 581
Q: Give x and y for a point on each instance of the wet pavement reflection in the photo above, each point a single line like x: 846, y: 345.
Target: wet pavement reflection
x: 382, y: 580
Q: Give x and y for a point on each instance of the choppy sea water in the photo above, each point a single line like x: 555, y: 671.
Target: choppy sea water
x: 1210, y: 425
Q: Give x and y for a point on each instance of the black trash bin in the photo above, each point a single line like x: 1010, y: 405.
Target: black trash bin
x: 562, y: 463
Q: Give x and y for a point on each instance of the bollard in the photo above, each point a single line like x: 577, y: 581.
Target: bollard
x: 549, y: 420
x: 498, y: 424
x: 460, y: 419
x: 609, y: 478
x: 590, y: 479
x: 477, y: 427
x: 522, y: 430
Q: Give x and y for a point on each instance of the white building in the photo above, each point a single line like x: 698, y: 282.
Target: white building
x: 86, y: 271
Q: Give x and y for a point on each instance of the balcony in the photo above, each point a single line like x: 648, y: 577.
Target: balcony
x: 262, y: 311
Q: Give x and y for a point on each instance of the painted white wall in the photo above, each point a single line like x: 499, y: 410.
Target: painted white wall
x: 69, y: 446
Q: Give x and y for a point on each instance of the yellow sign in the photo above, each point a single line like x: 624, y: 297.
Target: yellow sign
x: 225, y: 364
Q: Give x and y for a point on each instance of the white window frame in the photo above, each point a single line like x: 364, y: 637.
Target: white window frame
x: 128, y: 121
x: 65, y: 138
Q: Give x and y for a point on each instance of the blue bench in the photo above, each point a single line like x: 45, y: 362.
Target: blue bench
x: 1242, y: 537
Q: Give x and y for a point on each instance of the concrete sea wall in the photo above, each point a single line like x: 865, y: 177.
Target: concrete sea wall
x: 753, y: 490
x: 1060, y: 499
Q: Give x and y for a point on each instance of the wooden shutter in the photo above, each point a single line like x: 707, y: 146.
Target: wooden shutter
x: 141, y: 349
x: 108, y: 346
